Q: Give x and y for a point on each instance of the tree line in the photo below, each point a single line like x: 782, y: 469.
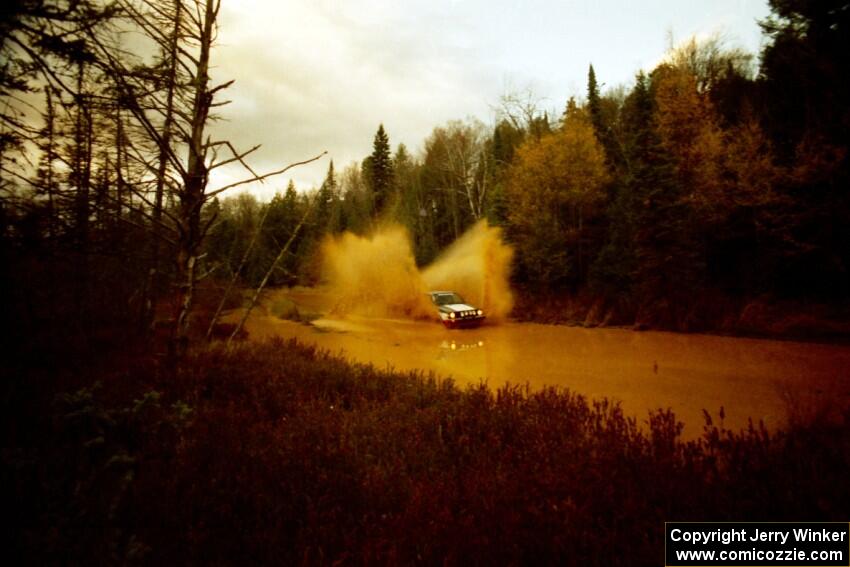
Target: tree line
x: 717, y: 173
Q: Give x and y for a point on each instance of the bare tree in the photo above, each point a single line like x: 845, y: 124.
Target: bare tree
x: 520, y: 107
x: 710, y: 60
x: 184, y: 153
x: 459, y: 152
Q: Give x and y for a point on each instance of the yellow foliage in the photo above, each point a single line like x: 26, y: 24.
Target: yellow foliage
x: 554, y: 186
x: 558, y: 177
x: 720, y: 171
x: 689, y: 130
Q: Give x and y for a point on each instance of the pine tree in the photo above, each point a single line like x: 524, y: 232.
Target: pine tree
x: 616, y: 269
x: 380, y: 170
x: 594, y: 106
x: 602, y: 120
x: 329, y: 205
x: 284, y: 213
x: 668, y: 259
x: 506, y: 139
x: 405, y: 206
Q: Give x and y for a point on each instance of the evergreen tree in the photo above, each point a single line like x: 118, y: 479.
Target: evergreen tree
x: 506, y: 139
x: 606, y: 116
x: 805, y: 111
x: 328, y: 208
x: 356, y: 205
x: 405, y: 208
x: 668, y: 261
x: 284, y: 214
x: 594, y: 106
x: 804, y: 73
x: 330, y: 179
x: 380, y: 170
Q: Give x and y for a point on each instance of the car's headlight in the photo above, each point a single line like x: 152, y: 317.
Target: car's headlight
x: 451, y: 315
x: 480, y: 312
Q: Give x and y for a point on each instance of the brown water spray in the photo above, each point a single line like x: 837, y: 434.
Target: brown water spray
x: 377, y: 276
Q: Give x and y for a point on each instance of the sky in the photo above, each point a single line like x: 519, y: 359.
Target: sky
x: 321, y: 75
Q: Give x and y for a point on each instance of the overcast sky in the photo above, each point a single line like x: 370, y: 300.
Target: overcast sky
x: 316, y: 75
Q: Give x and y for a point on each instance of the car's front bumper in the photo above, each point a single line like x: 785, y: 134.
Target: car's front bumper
x: 463, y: 323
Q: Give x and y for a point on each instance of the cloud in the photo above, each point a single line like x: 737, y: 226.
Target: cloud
x: 321, y: 75
x: 311, y: 78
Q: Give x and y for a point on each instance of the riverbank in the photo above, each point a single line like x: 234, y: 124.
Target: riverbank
x: 762, y: 317
x: 282, y: 453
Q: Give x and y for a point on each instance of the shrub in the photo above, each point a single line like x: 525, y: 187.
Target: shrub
x: 280, y: 453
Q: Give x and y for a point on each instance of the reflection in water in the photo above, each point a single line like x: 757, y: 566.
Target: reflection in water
x: 462, y: 345
x: 449, y: 348
x: 643, y: 370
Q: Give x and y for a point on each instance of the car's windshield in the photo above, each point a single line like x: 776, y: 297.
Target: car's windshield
x: 446, y: 298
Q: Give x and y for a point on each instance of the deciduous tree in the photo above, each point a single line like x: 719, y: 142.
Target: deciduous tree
x: 554, y: 186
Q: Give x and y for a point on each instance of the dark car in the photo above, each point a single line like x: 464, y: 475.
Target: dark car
x: 454, y: 311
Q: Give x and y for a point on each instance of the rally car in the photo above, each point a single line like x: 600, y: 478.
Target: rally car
x: 454, y: 312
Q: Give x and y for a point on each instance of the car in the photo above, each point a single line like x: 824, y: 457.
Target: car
x: 454, y: 312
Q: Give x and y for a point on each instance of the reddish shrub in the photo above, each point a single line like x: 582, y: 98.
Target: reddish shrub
x: 278, y: 453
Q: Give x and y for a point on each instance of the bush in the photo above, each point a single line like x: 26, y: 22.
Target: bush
x: 279, y: 453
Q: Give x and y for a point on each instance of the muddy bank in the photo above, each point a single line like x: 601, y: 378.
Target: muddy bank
x: 715, y: 314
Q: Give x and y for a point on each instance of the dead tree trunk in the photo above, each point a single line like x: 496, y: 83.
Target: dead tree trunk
x: 194, y: 27
x: 119, y: 163
x: 50, y: 156
x: 194, y: 186
x: 152, y: 286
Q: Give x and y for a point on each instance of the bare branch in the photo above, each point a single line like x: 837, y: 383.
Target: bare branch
x: 120, y: 73
x: 155, y: 33
x: 46, y: 68
x: 236, y: 157
x: 272, y: 268
x: 220, y: 87
x: 265, y: 176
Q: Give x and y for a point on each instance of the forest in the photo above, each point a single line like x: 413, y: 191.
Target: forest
x: 698, y: 198
x: 711, y: 194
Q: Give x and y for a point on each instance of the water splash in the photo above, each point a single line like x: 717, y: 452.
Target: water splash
x: 478, y: 266
x: 376, y: 275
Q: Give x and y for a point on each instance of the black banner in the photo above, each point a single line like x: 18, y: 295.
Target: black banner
x: 757, y: 543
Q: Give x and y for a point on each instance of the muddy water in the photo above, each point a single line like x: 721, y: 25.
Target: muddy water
x: 754, y: 378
